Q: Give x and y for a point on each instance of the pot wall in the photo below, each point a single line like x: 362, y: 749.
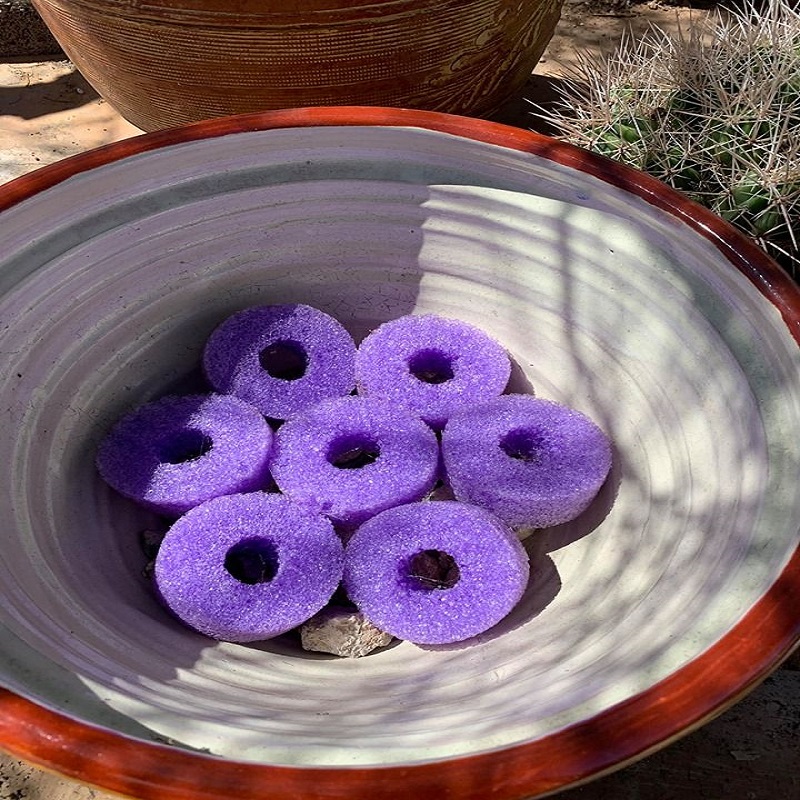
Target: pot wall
x: 169, y: 62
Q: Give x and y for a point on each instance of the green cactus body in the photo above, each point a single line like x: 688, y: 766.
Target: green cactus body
x: 714, y: 113
x: 675, y: 167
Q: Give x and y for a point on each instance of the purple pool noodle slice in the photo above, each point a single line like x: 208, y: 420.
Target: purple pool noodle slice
x: 175, y: 453
x: 431, y: 365
x: 302, y: 554
x: 533, y: 462
x: 306, y: 447
x: 313, y: 358
x: 380, y: 570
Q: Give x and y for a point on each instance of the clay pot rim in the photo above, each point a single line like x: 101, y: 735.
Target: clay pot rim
x: 678, y: 704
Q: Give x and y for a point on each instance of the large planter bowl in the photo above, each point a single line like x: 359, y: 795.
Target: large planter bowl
x: 167, y: 62
x: 672, y: 596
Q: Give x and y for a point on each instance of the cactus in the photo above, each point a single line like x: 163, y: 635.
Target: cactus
x: 713, y: 112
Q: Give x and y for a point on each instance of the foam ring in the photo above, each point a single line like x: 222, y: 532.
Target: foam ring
x: 247, y: 567
x: 431, y: 366
x: 435, y: 572
x: 281, y: 358
x: 352, y: 457
x: 535, y: 463
x: 177, y: 452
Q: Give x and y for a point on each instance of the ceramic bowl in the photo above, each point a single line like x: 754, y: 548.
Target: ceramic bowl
x: 667, y: 600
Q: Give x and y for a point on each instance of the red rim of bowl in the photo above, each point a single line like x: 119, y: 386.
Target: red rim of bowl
x: 642, y: 724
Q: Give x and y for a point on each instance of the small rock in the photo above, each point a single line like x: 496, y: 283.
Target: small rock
x: 150, y: 541
x: 441, y: 492
x: 745, y: 755
x: 343, y: 632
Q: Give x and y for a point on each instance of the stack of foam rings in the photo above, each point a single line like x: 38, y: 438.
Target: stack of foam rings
x: 308, y: 469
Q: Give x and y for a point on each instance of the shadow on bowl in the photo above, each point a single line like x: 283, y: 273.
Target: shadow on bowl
x: 613, y: 295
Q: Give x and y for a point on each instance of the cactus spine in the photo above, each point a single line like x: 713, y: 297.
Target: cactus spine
x: 713, y: 112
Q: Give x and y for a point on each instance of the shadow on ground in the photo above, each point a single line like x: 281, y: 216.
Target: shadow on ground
x: 29, y: 98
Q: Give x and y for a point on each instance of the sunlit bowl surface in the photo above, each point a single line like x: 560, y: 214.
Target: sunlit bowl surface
x: 666, y: 601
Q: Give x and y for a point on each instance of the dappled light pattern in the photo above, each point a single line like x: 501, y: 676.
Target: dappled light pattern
x: 671, y: 594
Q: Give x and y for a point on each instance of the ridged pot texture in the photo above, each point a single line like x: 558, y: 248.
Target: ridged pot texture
x: 166, y: 62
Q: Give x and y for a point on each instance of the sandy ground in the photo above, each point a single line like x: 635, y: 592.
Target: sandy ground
x: 48, y: 112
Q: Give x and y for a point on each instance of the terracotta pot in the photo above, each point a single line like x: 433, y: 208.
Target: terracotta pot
x: 167, y: 62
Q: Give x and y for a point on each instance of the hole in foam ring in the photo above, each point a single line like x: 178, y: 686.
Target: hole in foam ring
x: 434, y: 569
x: 431, y: 366
x: 284, y: 360
x: 252, y: 561
x: 353, y: 451
x: 186, y: 445
x: 523, y: 444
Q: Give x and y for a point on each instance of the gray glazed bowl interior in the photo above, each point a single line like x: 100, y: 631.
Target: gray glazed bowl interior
x: 110, y: 282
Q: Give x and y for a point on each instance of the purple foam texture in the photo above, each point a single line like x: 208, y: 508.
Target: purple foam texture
x: 533, y: 462
x: 393, y: 559
x: 177, y: 452
x: 431, y: 366
x: 291, y: 561
x: 352, y: 457
x: 281, y: 358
